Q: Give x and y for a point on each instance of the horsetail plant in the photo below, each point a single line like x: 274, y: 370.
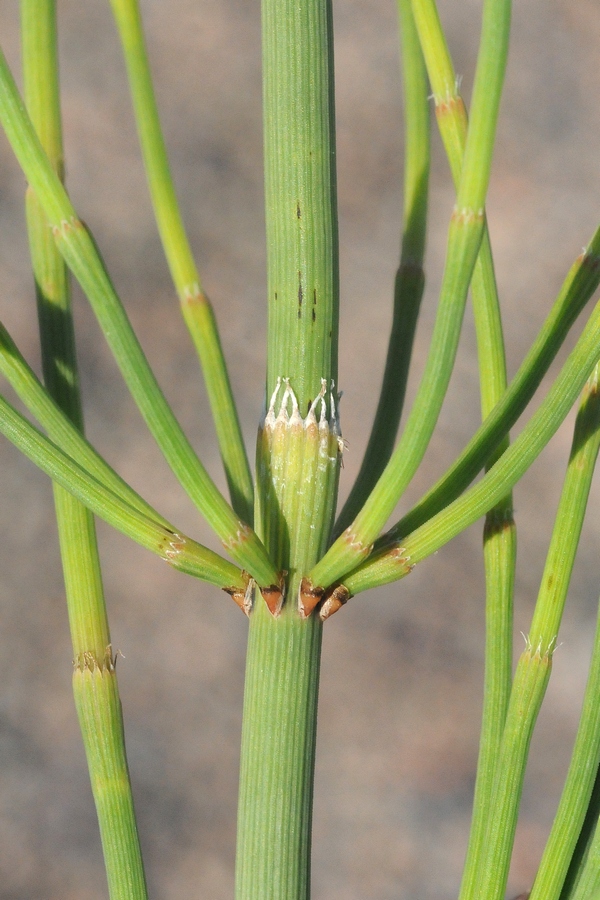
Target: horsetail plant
x: 293, y: 564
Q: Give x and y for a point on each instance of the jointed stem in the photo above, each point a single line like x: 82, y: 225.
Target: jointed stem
x: 99, y: 710
x: 410, y: 278
x: 464, y: 238
x: 195, y: 305
x: 79, y: 251
x: 297, y: 453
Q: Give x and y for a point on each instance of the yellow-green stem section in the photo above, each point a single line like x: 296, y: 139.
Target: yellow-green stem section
x: 95, y: 686
x: 195, y: 305
x: 300, y: 195
x: 278, y: 752
x: 100, y: 718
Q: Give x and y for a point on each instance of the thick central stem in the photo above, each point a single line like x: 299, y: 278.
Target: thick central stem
x: 298, y: 448
x: 300, y: 195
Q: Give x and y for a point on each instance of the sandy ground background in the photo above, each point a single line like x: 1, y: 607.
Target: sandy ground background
x: 401, y: 680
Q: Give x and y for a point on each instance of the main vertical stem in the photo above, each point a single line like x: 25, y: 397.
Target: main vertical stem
x: 278, y: 747
x: 298, y: 449
x: 300, y: 196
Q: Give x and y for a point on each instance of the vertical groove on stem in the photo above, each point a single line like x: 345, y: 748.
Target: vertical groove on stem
x: 300, y: 195
x: 94, y: 680
x: 278, y: 748
x: 298, y: 456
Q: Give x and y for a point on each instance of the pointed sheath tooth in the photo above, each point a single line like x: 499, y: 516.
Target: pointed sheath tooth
x: 338, y: 597
x: 308, y: 597
x: 274, y: 596
x: 243, y: 596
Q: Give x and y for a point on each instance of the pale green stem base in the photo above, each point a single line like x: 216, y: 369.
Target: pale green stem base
x: 278, y: 754
x: 99, y: 711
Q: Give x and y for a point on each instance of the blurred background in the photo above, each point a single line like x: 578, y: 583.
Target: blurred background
x: 402, y: 667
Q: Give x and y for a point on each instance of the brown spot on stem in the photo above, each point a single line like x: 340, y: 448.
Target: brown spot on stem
x: 466, y: 215
x: 338, y: 597
x: 87, y: 659
x: 412, y: 269
x: 308, y: 597
x: 243, y: 596
x: 66, y: 225
x: 274, y: 596
x: 497, y: 521
x: 591, y: 261
x: 243, y: 533
x: 448, y: 104
x: 356, y: 544
x: 298, y: 210
x: 193, y: 295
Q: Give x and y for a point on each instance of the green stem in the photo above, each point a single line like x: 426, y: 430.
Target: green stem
x: 580, y: 284
x: 297, y: 452
x: 396, y: 559
x: 81, y: 255
x: 171, y: 545
x: 410, y: 279
x: 586, y: 754
x: 101, y: 721
x: 195, y: 305
x: 278, y: 747
x: 529, y: 688
x: 300, y: 196
x: 464, y: 239
x: 533, y: 672
x: 99, y: 712
x: 499, y: 529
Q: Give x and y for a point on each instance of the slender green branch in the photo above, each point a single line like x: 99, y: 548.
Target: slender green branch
x: 533, y: 672
x: 195, y: 305
x: 586, y: 753
x: 529, y: 688
x: 464, y: 239
x: 102, y: 731
x: 499, y: 529
x: 79, y: 251
x: 172, y: 546
x: 60, y: 429
x: 577, y: 289
x: 396, y: 558
x: 410, y: 279
x: 583, y: 878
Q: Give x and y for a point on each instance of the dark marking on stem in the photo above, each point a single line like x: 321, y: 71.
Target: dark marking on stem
x: 308, y: 597
x: 300, y: 295
x: 410, y: 269
x: 497, y: 521
x: 274, y: 595
x: 333, y: 601
x: 275, y: 296
x: 314, y: 311
x: 242, y: 596
x: 448, y: 104
x: 87, y: 660
x: 590, y: 261
x: 298, y: 210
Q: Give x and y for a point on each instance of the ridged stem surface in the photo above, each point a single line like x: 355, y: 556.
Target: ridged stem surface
x: 94, y: 679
